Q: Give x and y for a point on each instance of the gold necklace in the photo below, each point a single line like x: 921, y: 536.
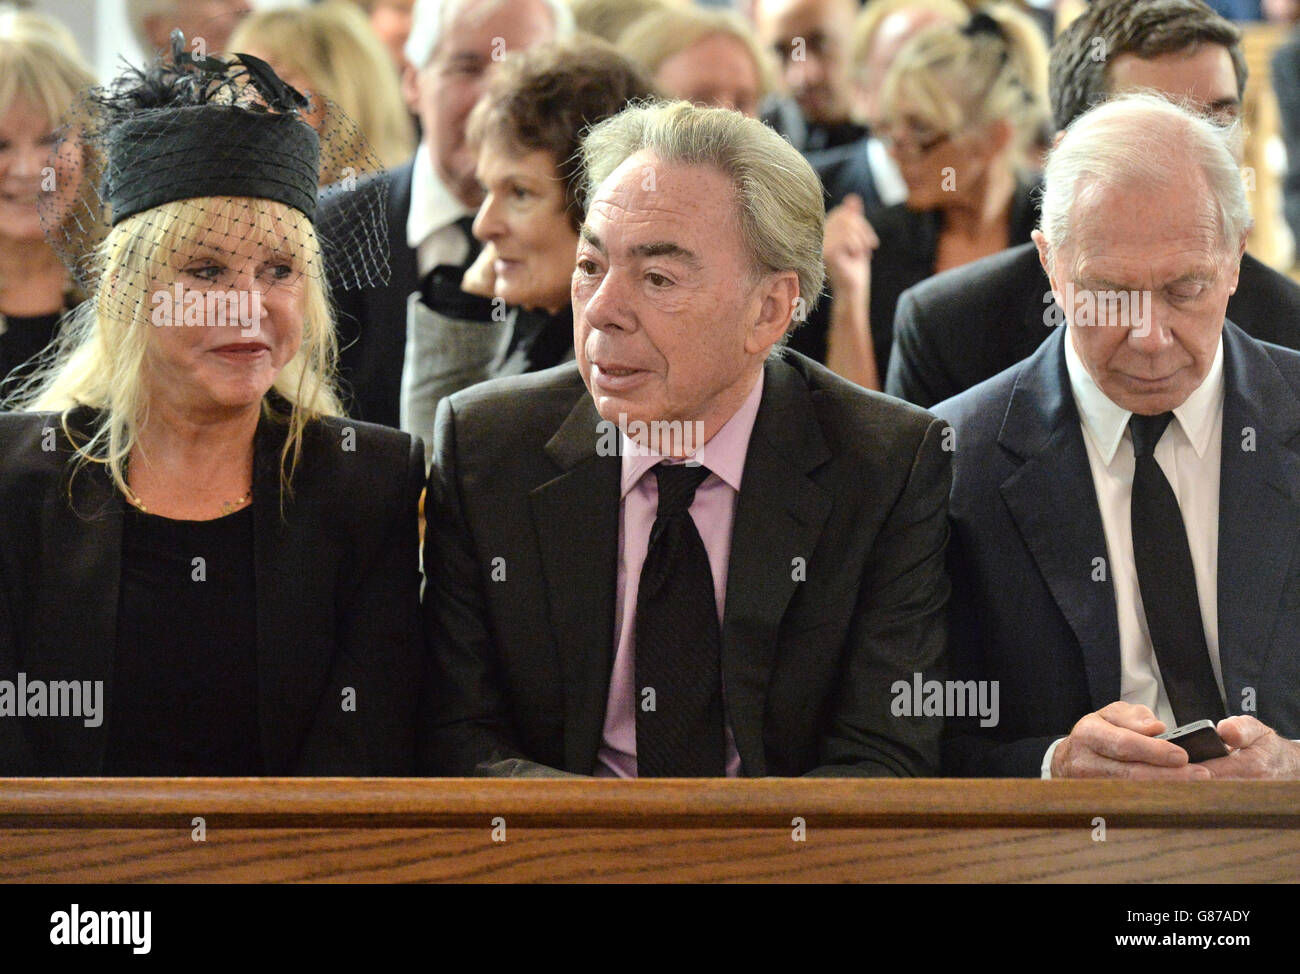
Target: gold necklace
x: 227, y: 507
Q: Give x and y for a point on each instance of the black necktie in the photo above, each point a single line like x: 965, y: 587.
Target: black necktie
x: 1168, y: 581
x: 440, y: 288
x: 679, y: 720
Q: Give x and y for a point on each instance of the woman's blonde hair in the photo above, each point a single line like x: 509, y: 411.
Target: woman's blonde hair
x: 653, y: 39
x: 957, y: 79
x: 39, y: 63
x: 333, y: 47
x: 100, y: 359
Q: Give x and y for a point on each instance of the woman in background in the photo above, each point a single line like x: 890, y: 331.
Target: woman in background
x: 329, y: 51
x: 708, y: 57
x: 961, y: 108
x: 527, y: 129
x: 40, y: 72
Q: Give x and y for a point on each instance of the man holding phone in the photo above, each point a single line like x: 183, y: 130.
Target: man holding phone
x: 1125, y: 548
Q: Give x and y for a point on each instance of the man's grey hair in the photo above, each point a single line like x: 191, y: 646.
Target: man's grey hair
x: 431, y: 17
x: 781, y: 209
x: 1144, y: 139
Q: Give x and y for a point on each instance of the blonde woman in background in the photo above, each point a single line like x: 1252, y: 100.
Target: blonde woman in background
x: 40, y: 72
x: 960, y: 109
x: 707, y: 57
x: 330, y: 51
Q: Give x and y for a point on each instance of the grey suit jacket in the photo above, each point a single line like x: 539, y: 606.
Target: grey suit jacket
x: 835, y: 585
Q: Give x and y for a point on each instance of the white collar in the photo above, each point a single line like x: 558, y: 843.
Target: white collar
x: 1106, y: 421
x: 432, y: 204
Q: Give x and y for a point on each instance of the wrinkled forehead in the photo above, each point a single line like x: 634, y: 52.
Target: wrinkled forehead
x: 645, y: 195
x: 1137, y: 229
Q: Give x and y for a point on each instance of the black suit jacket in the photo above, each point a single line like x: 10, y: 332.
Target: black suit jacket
x: 845, y: 169
x: 1026, y: 526
x: 371, y: 321
x: 909, y: 245
x: 521, y: 556
x: 967, y: 324
x: 337, y: 586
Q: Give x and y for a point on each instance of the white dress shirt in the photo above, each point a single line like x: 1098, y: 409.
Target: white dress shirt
x: 885, y: 173
x: 1189, y: 453
x: 431, y: 229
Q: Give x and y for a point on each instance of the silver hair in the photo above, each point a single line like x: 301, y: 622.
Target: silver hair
x: 1145, y: 139
x: 431, y: 18
x: 782, y: 213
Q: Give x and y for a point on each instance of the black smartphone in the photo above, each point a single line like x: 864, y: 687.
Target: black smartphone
x: 1200, y: 740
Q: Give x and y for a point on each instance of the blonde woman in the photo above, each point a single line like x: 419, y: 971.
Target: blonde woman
x: 707, y: 57
x: 960, y: 108
x: 329, y: 51
x: 225, y: 571
x: 40, y: 72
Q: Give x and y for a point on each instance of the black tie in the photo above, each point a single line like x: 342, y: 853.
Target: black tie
x: 440, y: 288
x: 679, y: 721
x: 1168, y: 582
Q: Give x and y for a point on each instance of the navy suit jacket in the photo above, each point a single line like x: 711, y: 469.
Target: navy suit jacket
x: 1026, y: 527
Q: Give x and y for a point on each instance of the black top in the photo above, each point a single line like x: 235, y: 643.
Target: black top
x: 184, y: 694
x: 909, y: 246
x: 21, y: 339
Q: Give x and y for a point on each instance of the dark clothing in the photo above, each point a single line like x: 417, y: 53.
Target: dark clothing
x: 22, y: 338
x: 1028, y: 609
x: 967, y: 324
x: 538, y: 340
x: 371, y: 321
x: 1286, y: 85
x: 335, y: 581
x: 909, y: 246
x: 835, y: 586
x: 782, y: 113
x: 847, y: 169
x: 185, y: 676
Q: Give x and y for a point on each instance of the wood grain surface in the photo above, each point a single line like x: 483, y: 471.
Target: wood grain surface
x: 420, y: 830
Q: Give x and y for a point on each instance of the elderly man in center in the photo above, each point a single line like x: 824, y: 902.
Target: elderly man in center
x: 1124, y: 506
x: 690, y: 552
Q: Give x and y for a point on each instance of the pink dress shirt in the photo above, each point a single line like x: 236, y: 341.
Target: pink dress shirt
x: 712, y: 510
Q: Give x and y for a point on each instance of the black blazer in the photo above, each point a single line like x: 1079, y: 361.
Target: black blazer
x: 521, y: 558
x: 337, y: 583
x: 843, y: 170
x: 371, y: 321
x: 1025, y: 609
x: 909, y: 245
x: 967, y: 324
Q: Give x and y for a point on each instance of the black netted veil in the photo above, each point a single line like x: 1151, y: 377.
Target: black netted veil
x: 197, y: 128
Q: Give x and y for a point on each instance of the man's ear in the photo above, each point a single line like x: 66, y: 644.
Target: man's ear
x: 411, y: 88
x: 1236, y: 267
x: 778, y: 301
x: 1044, y: 255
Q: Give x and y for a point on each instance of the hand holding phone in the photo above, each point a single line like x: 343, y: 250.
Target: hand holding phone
x: 1199, y: 739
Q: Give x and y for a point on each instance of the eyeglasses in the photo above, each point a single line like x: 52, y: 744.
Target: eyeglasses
x: 915, y: 140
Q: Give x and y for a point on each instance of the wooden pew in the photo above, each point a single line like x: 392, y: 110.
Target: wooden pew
x: 804, y: 830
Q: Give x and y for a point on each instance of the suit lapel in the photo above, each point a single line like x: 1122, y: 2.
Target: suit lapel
x: 576, y: 520
x: 1052, y: 499
x: 294, y: 639
x: 1259, y: 511
x: 77, y: 595
x: 780, y: 513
